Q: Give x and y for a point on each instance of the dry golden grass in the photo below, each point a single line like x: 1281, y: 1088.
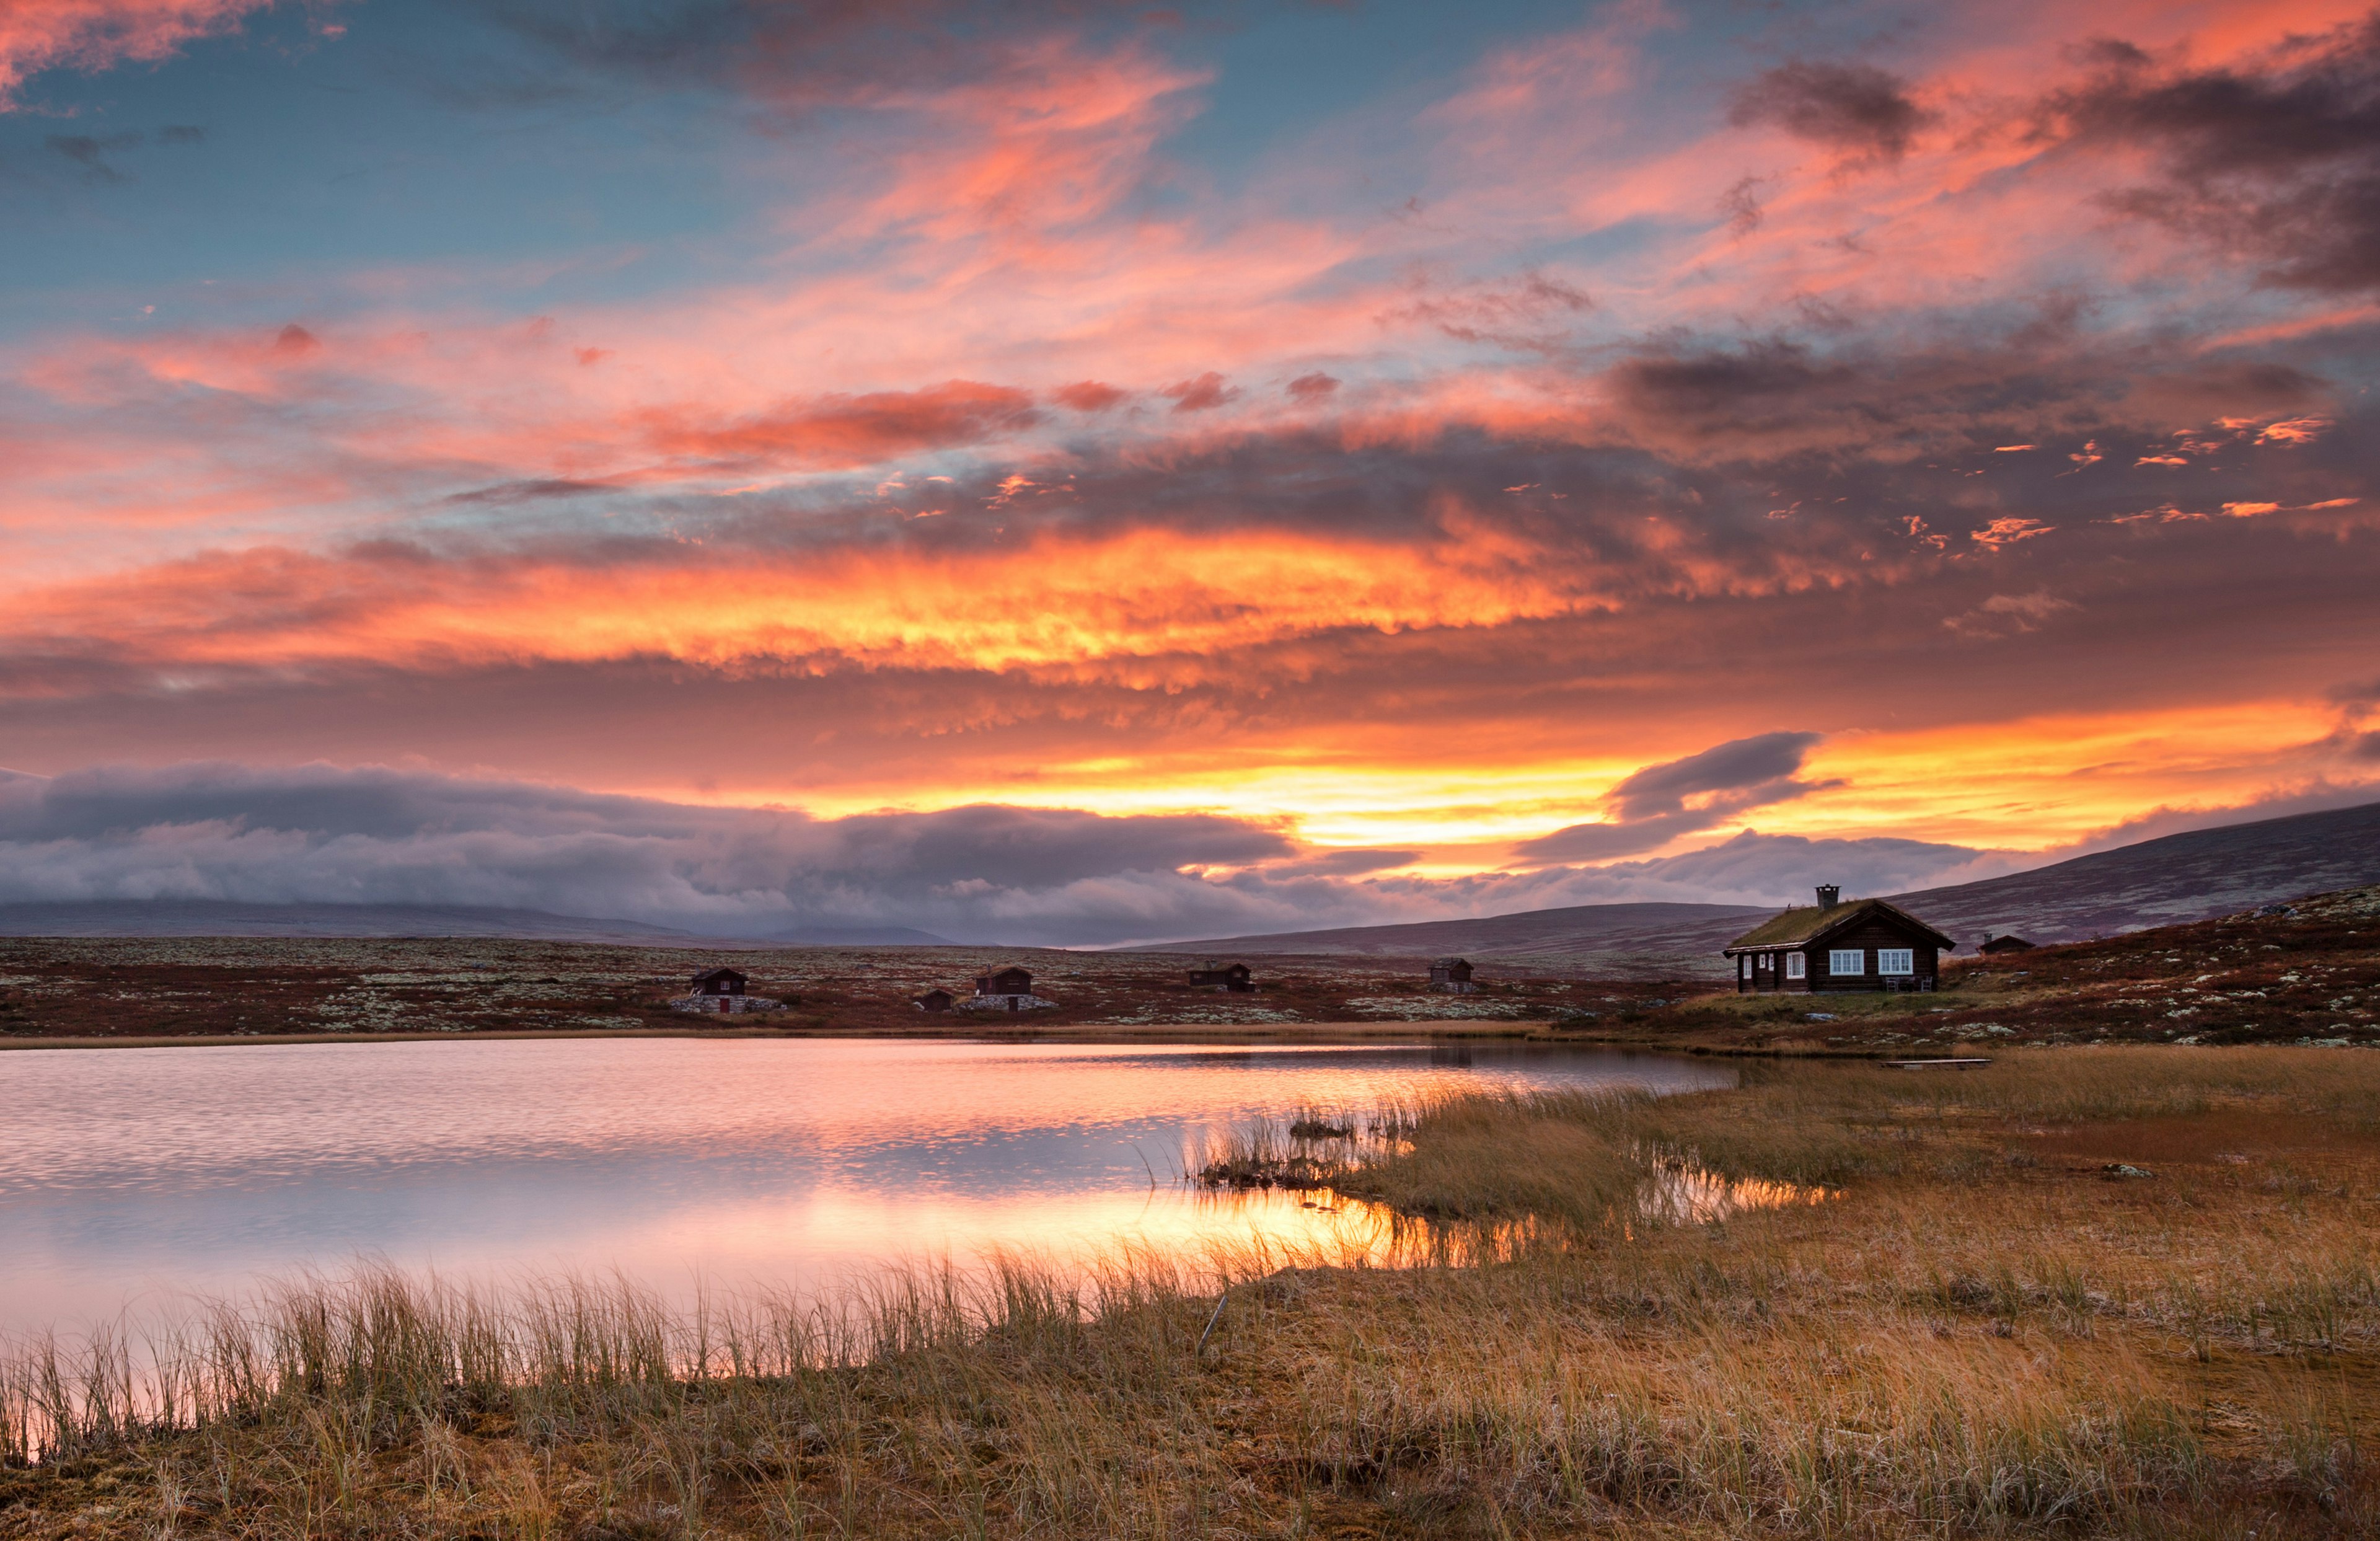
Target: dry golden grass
x: 1983, y: 1334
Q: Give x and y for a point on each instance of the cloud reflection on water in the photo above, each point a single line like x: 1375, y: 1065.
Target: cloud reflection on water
x: 136, y: 1175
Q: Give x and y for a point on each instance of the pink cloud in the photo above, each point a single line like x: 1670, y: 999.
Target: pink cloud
x: 1088, y: 395
x: 1201, y: 395
x: 1050, y: 137
x: 845, y: 432
x: 93, y: 34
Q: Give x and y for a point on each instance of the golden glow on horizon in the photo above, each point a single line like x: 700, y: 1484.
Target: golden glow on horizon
x: 2031, y: 784
x: 2045, y: 782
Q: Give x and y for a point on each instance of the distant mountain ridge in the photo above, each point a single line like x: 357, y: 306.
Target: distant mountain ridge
x: 861, y: 936
x: 2178, y: 878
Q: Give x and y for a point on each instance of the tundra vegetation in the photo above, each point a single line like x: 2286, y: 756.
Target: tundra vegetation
x: 141, y: 988
x: 2310, y: 975
x: 2121, y: 1291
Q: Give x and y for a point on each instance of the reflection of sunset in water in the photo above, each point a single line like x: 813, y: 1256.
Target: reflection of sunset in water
x: 1693, y: 1194
x: 849, y: 1235
x: 132, y: 1175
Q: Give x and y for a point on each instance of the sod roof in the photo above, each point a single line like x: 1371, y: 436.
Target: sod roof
x: 1806, y: 923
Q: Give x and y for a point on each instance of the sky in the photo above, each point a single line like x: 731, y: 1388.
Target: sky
x: 1076, y: 474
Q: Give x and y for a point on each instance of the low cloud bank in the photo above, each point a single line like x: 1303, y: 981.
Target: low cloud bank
x: 320, y: 834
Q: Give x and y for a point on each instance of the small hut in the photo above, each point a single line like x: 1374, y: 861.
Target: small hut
x: 1452, y: 976
x: 1993, y: 946
x: 1011, y: 980
x: 1236, y: 978
x: 936, y: 1000
x: 1006, y: 990
x: 721, y: 990
x: 719, y: 981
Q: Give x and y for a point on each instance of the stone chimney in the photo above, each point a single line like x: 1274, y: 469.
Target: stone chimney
x: 1829, y: 895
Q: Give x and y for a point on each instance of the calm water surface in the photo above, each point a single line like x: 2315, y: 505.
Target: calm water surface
x: 131, y: 1178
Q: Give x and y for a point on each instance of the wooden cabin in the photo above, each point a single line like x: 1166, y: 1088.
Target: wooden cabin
x: 937, y: 1001
x: 1865, y: 944
x: 1011, y: 980
x: 1452, y: 976
x: 1993, y: 946
x: 719, y: 981
x: 1236, y: 978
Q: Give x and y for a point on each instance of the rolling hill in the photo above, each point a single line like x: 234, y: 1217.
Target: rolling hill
x: 1611, y: 939
x: 2178, y: 877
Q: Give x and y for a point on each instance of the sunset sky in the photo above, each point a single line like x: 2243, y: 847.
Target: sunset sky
x: 1070, y: 473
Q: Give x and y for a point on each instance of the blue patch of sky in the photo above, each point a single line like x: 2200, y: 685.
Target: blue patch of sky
x: 1351, y: 86
x: 398, y: 144
x: 1285, y: 73
x: 428, y: 138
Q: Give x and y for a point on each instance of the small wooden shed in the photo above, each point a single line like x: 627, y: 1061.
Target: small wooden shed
x: 936, y: 1000
x: 1993, y: 946
x: 1452, y: 976
x: 1011, y: 980
x: 719, y: 981
x: 1236, y: 978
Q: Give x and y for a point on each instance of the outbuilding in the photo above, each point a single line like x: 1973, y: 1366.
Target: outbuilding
x: 936, y: 1000
x: 1011, y: 980
x: 1236, y: 978
x: 719, y: 981
x: 1006, y: 990
x: 1865, y: 944
x: 1993, y: 946
x: 721, y: 990
x: 1452, y: 976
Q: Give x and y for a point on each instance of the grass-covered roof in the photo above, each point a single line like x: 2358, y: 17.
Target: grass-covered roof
x: 1806, y: 923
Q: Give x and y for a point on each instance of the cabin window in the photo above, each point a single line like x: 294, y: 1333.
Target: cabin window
x: 1895, y: 960
x: 1846, y: 960
x: 1744, y: 965
x: 1795, y: 964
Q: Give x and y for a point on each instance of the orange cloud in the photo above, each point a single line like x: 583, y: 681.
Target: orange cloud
x: 2008, y: 531
x: 1050, y: 602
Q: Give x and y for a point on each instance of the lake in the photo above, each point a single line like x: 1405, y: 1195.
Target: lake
x: 133, y: 1178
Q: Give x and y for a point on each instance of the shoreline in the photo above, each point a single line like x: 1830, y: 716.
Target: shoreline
x: 1458, y: 1030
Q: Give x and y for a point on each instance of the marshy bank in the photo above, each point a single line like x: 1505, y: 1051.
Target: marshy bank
x: 1984, y: 1330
